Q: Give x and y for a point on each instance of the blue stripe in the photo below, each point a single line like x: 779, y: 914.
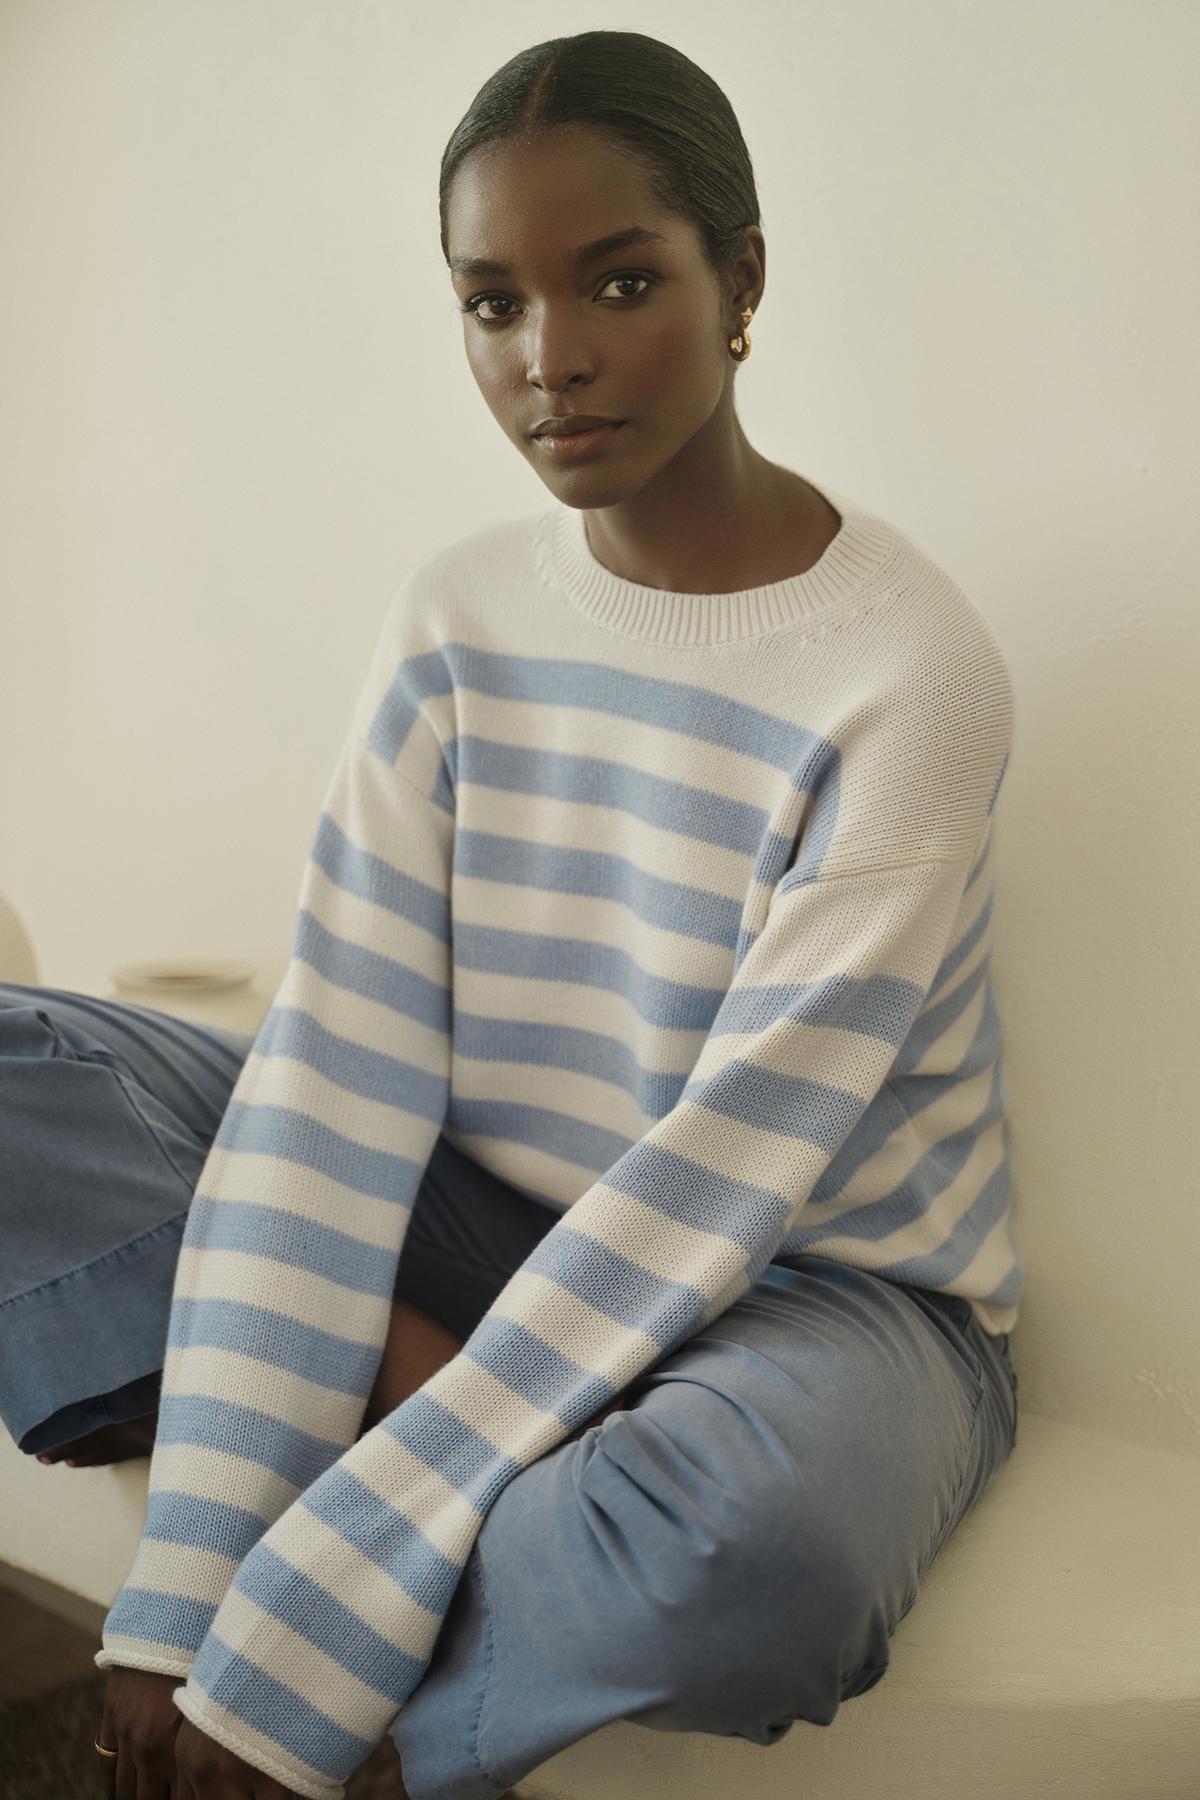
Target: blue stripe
x: 934, y: 1021
x: 176, y: 1517
x: 958, y: 953
x: 360, y: 872
x: 474, y: 1466
x: 692, y: 1194
x: 944, y: 1266
x: 348, y: 1064
x: 310, y: 1610
x: 303, y: 1730
x: 294, y: 1137
x: 343, y: 1365
x: 882, y: 1118
x: 688, y: 709
x: 159, y: 1618
x: 878, y: 1006
x: 592, y: 1148
x: 677, y: 806
x: 379, y: 978
x: 913, y: 1198
x: 531, y: 956
x: 664, y: 1310
x: 823, y: 774
x: 806, y: 1111
x: 791, y: 1106
x: 673, y: 906
x: 213, y: 1424
x: 301, y: 1243
x: 916, y: 1092
x: 394, y: 718
x: 900, y: 1098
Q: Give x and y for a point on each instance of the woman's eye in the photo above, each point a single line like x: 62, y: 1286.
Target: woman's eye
x: 473, y: 305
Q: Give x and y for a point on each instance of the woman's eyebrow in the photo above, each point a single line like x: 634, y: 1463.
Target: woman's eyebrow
x: 627, y: 239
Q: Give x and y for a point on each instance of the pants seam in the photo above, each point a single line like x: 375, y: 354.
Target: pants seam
x: 961, y: 1483
x: 475, y: 1570
x: 133, y: 1243
x: 128, y: 1089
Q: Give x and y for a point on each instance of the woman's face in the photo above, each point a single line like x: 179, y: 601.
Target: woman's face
x: 637, y: 333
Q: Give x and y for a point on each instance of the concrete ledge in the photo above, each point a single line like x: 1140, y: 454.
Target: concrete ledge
x: 1053, y: 1648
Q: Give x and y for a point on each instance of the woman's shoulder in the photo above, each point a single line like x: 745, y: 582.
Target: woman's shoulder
x: 483, y: 553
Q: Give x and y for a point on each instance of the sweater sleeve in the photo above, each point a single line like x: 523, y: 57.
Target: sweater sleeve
x: 283, y: 1288
x: 330, y: 1620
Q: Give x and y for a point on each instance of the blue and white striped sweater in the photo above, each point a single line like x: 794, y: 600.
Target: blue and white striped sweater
x: 674, y: 911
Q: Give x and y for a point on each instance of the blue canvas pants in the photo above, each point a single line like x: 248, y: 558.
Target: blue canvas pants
x: 729, y: 1553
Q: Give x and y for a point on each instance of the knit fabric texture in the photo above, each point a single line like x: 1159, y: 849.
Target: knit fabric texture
x: 673, y: 910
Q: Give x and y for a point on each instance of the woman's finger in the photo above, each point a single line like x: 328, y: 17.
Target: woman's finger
x: 208, y: 1770
x: 157, y: 1782
x: 106, y: 1735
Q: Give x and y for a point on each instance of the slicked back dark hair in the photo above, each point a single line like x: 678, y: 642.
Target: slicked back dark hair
x: 648, y: 101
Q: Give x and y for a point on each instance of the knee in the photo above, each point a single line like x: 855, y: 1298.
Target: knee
x: 745, y: 1607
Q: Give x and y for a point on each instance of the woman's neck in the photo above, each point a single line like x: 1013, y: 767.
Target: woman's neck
x: 769, y: 526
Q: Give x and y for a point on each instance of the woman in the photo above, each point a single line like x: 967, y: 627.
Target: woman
x: 647, y: 929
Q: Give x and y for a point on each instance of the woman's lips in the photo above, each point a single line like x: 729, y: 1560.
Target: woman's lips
x: 580, y: 444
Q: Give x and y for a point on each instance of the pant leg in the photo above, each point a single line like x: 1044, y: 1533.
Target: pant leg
x: 733, y: 1552
x: 107, y: 1111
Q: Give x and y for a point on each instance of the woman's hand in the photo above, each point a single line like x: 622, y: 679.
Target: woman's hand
x: 161, y: 1755
x: 159, y: 1751
x: 139, y: 1721
x: 206, y: 1770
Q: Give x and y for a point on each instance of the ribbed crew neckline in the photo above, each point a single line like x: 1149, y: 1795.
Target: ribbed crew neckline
x: 857, y: 552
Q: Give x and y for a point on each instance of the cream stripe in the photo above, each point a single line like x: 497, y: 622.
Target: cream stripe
x: 416, y: 1490
x: 252, y: 1176
x: 374, y: 927
x: 218, y: 1474
x: 293, y: 1659
x: 185, y: 1570
x: 369, y: 1023
x: 544, y: 819
x: 227, y: 1375
x: 910, y: 1138
x: 285, y: 1081
x: 212, y: 1274
x: 944, y: 1055
x: 634, y: 744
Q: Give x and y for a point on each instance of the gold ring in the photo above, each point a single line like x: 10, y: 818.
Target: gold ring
x: 103, y: 1749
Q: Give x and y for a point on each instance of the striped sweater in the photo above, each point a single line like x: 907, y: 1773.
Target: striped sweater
x: 674, y: 911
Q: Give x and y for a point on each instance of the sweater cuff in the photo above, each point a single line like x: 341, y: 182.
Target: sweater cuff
x: 119, y: 1658
x: 260, y: 1752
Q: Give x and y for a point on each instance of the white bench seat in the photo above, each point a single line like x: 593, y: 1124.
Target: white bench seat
x: 1052, y: 1650
x: 1052, y: 1653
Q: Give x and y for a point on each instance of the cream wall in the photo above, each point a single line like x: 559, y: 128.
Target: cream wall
x: 235, y: 409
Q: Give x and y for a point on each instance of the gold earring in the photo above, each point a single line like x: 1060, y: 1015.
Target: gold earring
x: 739, y: 346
